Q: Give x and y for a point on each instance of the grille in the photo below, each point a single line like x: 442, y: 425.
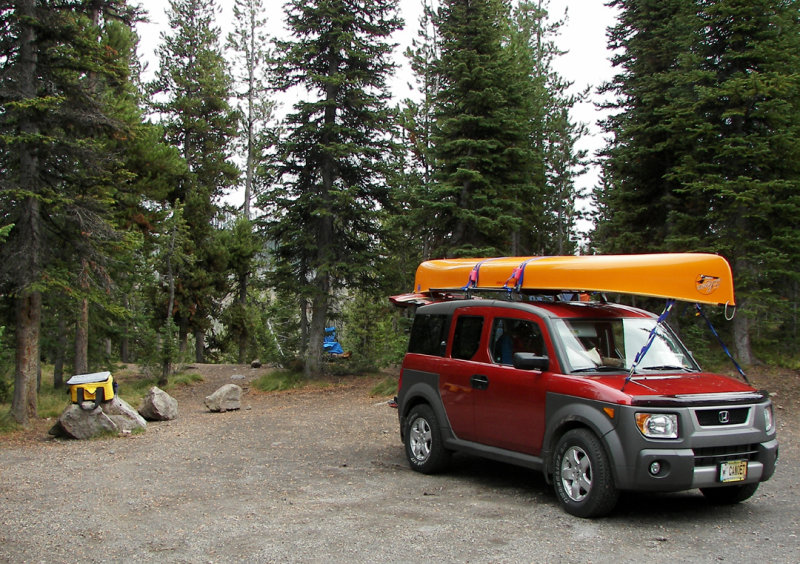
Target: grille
x: 711, y: 456
x: 715, y: 417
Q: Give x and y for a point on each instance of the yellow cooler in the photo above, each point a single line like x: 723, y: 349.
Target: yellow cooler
x: 97, y: 387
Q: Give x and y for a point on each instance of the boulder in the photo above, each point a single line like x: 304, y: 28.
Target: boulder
x: 158, y: 405
x: 121, y: 413
x: 87, y: 420
x: 226, y: 398
x: 78, y: 423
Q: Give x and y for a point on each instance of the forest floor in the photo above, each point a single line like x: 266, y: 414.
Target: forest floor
x: 318, y: 475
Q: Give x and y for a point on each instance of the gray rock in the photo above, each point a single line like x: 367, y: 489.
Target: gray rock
x: 79, y: 423
x: 227, y: 398
x: 121, y: 413
x: 158, y: 405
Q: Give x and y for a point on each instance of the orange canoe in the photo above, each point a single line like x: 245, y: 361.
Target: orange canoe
x: 692, y: 277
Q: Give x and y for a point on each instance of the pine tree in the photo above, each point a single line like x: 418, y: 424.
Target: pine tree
x: 191, y: 91
x: 326, y: 205
x: 57, y: 171
x: 248, y: 42
x: 547, y: 211
x: 483, y: 157
x: 411, y: 221
x: 744, y: 161
x: 652, y: 40
x: 703, y: 155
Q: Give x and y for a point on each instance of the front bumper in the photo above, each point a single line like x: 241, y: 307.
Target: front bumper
x: 683, y: 469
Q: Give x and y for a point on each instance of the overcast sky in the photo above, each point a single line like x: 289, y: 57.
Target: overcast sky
x: 583, y: 37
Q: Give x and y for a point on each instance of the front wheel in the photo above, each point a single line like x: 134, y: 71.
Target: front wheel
x: 582, y: 475
x: 424, y: 448
x: 728, y: 495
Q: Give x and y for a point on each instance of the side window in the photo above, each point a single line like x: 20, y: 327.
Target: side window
x: 467, y: 337
x: 511, y: 336
x: 428, y: 334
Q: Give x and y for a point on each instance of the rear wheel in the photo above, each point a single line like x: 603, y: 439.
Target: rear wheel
x: 582, y: 475
x: 728, y: 495
x: 424, y: 448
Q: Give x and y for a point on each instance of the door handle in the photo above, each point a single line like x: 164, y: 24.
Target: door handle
x: 479, y: 382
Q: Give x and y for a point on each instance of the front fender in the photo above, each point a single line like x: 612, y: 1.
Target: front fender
x: 568, y: 412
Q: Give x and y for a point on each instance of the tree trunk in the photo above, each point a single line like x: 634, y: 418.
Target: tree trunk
x: 243, y: 336
x: 316, y: 333
x: 29, y: 316
x: 167, y: 335
x: 61, y: 349
x: 28, y: 302
x: 82, y: 325
x: 124, y: 342
x: 741, y: 323
x: 741, y: 339
x: 303, y: 327
x: 199, y: 345
x: 183, y: 337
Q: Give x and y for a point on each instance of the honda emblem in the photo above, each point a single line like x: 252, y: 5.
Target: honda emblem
x: 724, y: 417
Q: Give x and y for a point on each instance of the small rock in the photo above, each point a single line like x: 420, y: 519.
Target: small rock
x: 227, y: 398
x: 158, y: 405
x: 237, y: 377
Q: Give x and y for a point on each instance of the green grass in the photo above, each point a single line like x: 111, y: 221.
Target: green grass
x: 386, y: 387
x: 279, y: 381
x: 133, y: 389
x: 181, y: 379
x: 7, y: 423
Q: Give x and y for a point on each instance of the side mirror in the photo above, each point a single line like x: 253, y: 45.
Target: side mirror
x: 531, y: 361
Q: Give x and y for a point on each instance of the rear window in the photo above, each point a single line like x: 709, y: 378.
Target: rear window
x: 467, y: 337
x: 428, y: 335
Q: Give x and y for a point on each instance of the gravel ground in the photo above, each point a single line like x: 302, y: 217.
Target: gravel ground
x: 319, y: 475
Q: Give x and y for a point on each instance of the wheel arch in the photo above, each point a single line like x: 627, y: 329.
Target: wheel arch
x: 421, y: 393
x: 589, y: 416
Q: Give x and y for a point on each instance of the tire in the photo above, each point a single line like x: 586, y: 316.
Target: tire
x: 582, y: 475
x: 424, y: 447
x: 729, y: 495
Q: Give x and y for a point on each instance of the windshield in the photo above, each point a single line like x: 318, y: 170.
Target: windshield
x: 594, y: 345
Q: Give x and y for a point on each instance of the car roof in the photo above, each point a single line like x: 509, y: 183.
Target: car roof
x: 549, y: 309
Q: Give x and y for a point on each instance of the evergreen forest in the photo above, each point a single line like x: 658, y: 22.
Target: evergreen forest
x: 120, y: 245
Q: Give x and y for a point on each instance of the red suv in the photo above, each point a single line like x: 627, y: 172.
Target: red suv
x: 561, y: 387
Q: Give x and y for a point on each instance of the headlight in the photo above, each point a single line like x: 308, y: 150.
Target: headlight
x: 658, y: 425
x: 769, y: 420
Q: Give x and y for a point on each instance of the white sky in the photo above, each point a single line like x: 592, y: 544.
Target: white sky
x: 583, y: 37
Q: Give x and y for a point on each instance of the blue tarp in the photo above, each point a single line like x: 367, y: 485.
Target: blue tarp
x: 330, y: 345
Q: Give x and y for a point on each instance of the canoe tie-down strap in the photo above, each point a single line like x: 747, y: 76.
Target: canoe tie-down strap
x: 472, y: 281
x: 517, y: 278
x: 474, y: 274
x: 650, y: 338
x: 702, y: 314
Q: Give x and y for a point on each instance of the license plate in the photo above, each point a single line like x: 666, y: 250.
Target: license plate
x: 733, y: 471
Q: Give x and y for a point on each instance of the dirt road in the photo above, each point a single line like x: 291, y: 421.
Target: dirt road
x: 319, y: 476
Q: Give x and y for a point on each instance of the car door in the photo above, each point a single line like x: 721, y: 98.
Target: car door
x: 510, y: 412
x: 456, y: 379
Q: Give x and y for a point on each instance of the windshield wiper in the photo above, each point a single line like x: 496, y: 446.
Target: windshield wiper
x: 599, y: 369
x: 667, y: 367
